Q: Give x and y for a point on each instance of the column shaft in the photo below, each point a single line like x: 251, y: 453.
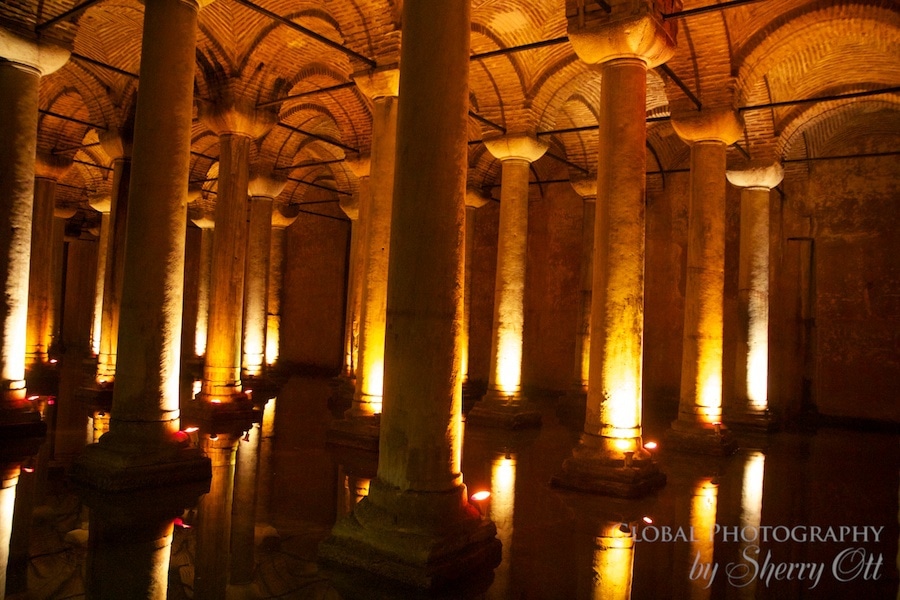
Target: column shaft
x: 243, y: 517
x: 586, y: 281
x: 206, y: 252
x: 467, y: 291
x: 701, y: 365
x: 377, y: 221
x: 257, y: 284
x: 145, y: 402
x: 102, y: 250
x: 752, y: 361
x: 114, y: 272
x: 613, y: 416
x: 509, y: 285
x: 42, y: 308
x: 222, y: 372
x: 214, y: 509
x: 276, y: 282
x: 18, y: 121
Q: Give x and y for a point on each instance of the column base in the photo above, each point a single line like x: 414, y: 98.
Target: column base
x: 600, y: 475
x: 102, y: 470
x: 360, y: 433
x: 472, y: 392
x: 96, y: 397
x: 213, y: 418
x: 261, y: 389
x: 22, y: 434
x: 499, y: 412
x: 756, y: 422
x: 700, y: 440
x: 424, y: 540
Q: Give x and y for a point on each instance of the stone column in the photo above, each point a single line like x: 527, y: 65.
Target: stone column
x: 572, y: 405
x: 699, y: 425
x: 381, y: 87
x: 263, y: 191
x: 43, y: 310
x: 351, y: 206
x: 610, y: 457
x: 503, y: 404
x: 102, y: 204
x: 282, y: 218
x: 207, y: 233
x: 143, y: 473
x: 474, y: 200
x: 118, y: 144
x: 749, y: 405
x: 21, y: 429
x: 416, y: 525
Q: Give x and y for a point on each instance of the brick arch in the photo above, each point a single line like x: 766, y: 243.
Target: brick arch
x: 790, y: 36
x: 498, y: 82
x: 816, y: 126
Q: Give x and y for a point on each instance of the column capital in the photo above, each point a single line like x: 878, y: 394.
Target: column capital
x: 350, y: 206
x: 265, y: 185
x: 709, y: 125
x: 766, y: 175
x: 284, y: 215
x: 586, y: 187
x: 117, y: 142
x: 37, y: 55
x: 51, y: 166
x: 475, y: 198
x: 361, y: 166
x: 230, y: 112
x: 522, y: 147
x: 64, y: 212
x: 633, y: 29
x: 381, y: 82
x: 200, y: 217
x: 102, y: 203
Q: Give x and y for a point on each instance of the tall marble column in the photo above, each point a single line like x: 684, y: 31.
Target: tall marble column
x: 43, y: 310
x: 475, y: 199
x: 283, y: 216
x: 143, y: 473
x: 417, y: 525
x: 749, y: 405
x: 102, y: 203
x: 699, y: 425
x: 503, y: 405
x: 351, y: 206
x: 610, y: 457
x: 207, y: 232
x: 572, y: 404
x: 381, y: 87
x: 263, y: 191
x: 118, y: 144
x: 21, y: 429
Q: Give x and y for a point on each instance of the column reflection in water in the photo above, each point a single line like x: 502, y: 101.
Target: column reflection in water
x: 613, y: 562
x: 704, y: 503
x: 751, y: 513
x: 264, y: 481
x: 502, y: 504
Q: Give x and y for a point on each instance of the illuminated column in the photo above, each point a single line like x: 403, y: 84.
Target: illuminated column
x: 474, y: 200
x: 142, y: 473
x: 238, y: 123
x: 46, y: 235
x: 699, y: 425
x: 263, y: 191
x: 586, y: 188
x: 282, y: 218
x: 207, y: 232
x: 361, y: 167
x: 102, y: 204
x: 503, y: 404
x: 750, y: 405
x: 381, y: 86
x: 417, y: 525
x: 610, y: 458
x: 118, y: 144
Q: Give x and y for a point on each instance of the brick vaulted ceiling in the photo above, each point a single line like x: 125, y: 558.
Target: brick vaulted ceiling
x: 748, y: 54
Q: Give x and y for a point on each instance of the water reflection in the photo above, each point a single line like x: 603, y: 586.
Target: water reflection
x: 556, y: 543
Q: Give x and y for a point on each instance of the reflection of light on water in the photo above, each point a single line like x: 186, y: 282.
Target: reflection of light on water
x: 7, y: 507
x: 751, y: 508
x: 613, y: 563
x: 503, y: 499
x: 703, y: 520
